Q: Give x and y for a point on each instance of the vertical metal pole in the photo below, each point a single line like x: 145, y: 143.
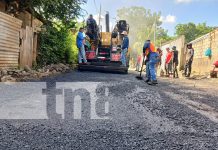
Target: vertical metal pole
x: 107, y: 22
x: 99, y: 17
x: 155, y: 31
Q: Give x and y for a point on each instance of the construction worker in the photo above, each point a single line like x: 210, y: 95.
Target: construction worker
x: 175, y: 62
x: 92, y: 29
x: 189, y: 60
x: 152, y: 59
x: 124, y: 47
x: 90, y: 20
x: 80, y: 41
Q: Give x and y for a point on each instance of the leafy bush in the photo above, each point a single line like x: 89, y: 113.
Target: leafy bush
x: 57, y: 45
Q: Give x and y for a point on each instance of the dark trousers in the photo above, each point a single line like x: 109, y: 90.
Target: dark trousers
x: 166, y: 69
x: 148, y: 75
x: 175, y: 71
x: 188, y: 68
x: 169, y: 68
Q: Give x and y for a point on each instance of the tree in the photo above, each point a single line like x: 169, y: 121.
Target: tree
x: 162, y: 37
x: 51, y: 10
x: 142, y: 24
x: 192, y: 31
x: 57, y: 43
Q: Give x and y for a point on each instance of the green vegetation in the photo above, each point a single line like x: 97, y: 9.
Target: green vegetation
x: 57, y: 46
x: 51, y: 10
x: 143, y: 23
x: 57, y: 42
x: 192, y: 31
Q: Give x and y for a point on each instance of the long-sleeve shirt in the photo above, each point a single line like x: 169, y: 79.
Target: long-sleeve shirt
x: 79, y: 40
x: 190, y: 54
x: 91, y: 21
x: 148, y: 48
x: 176, y: 56
x: 125, y: 44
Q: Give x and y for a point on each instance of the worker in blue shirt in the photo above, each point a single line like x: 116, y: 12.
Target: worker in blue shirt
x: 150, y: 52
x: 124, y: 47
x: 80, y: 40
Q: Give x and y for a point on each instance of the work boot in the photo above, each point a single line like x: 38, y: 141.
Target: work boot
x: 155, y: 82
x: 147, y: 80
x: 187, y: 76
x: 149, y: 83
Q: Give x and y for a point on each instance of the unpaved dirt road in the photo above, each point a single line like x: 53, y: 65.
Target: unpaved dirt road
x: 129, y: 114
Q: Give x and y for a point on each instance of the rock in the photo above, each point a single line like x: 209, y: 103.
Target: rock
x: 8, y: 79
x: 27, y: 68
x: 67, y: 68
x: 23, y: 72
x: 74, y: 66
x: 16, y: 73
x: 4, y: 72
x: 54, y: 72
x: 63, y: 68
x: 33, y: 72
x: 40, y: 70
x: 45, y: 74
x: 10, y: 72
x: 58, y: 69
x: 35, y: 75
x: 61, y: 65
x: 12, y: 75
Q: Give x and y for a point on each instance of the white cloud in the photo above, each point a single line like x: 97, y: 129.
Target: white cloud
x: 184, y: 1
x: 168, y: 19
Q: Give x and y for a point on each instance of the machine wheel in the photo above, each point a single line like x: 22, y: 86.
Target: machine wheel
x: 126, y: 71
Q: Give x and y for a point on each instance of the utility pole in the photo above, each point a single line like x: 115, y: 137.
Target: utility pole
x: 99, y: 21
x: 155, y: 31
x: 107, y: 19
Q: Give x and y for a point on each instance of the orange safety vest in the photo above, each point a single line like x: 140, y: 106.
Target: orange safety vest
x: 151, y: 49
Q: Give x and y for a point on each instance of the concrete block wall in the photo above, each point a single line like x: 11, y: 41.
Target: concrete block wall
x: 180, y: 44
x: 202, y: 64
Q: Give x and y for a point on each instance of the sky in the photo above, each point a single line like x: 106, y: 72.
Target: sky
x: 173, y: 11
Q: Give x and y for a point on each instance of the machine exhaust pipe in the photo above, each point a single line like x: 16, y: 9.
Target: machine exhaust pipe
x: 107, y: 22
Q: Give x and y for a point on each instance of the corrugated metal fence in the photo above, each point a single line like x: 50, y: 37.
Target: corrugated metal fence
x: 9, y: 41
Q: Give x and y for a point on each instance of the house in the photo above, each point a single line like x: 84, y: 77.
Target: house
x: 19, y: 33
